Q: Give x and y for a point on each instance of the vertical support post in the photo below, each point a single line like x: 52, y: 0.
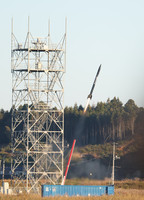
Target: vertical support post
x: 12, y: 97
x: 65, y: 36
x: 28, y: 89
x: 65, y: 42
x: 48, y: 60
x: 113, y: 167
x: 48, y: 33
x: 3, y: 169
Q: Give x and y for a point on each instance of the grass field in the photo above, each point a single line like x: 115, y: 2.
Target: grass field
x: 124, y: 190
x: 120, y: 194
x: 125, y: 184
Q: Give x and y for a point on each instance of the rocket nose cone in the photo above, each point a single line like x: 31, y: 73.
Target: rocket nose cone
x: 99, y: 70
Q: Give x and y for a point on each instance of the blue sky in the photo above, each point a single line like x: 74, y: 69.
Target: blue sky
x: 104, y: 32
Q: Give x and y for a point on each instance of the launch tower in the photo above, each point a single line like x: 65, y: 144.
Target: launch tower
x: 38, y: 68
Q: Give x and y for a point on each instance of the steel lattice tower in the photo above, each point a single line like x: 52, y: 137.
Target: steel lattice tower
x: 38, y: 68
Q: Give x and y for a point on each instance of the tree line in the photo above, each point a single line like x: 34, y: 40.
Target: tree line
x: 107, y: 121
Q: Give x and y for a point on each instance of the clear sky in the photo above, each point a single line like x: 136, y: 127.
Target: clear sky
x: 107, y: 32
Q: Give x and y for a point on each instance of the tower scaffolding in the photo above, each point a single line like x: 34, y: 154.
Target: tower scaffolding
x: 38, y: 68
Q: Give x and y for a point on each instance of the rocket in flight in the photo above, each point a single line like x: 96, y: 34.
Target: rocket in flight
x: 93, y: 86
x: 92, y: 89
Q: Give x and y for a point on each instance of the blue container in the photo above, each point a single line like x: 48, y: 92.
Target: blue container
x: 110, y: 190
x: 76, y: 190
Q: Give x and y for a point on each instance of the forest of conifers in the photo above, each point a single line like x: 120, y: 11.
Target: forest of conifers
x: 107, y: 121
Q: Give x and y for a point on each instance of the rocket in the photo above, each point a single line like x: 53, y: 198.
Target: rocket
x: 93, y: 86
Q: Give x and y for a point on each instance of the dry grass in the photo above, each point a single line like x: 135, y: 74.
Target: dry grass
x: 130, y: 184
x: 76, y: 156
x: 86, y: 181
x: 125, y: 184
x: 125, y: 190
x: 120, y: 194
